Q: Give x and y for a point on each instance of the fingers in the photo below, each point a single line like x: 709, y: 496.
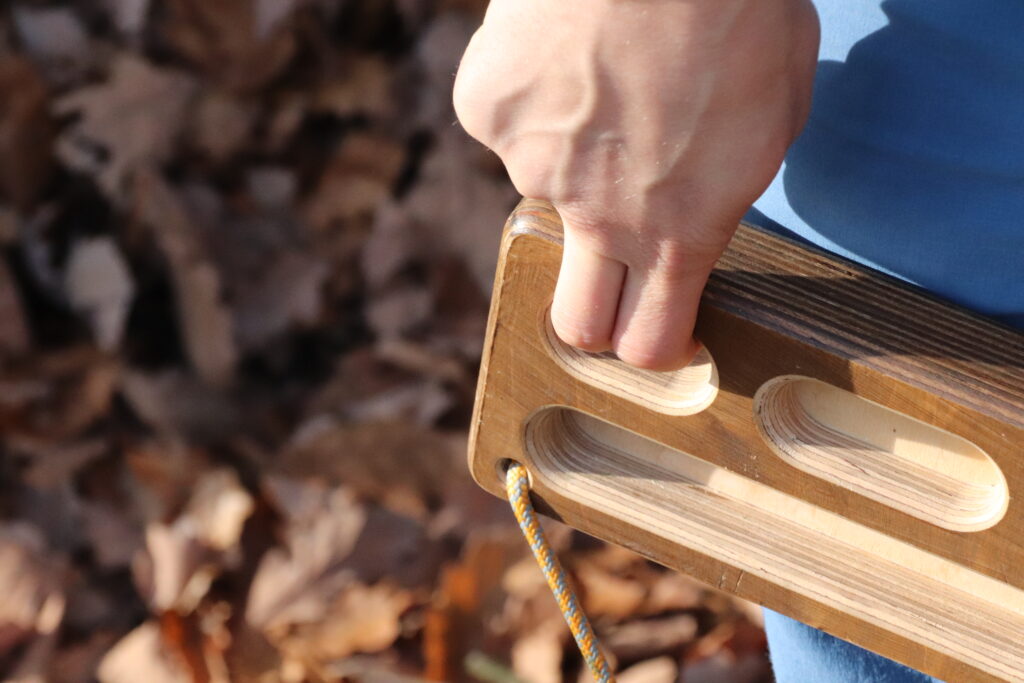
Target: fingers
x: 646, y: 315
x: 657, y: 312
x: 586, y: 298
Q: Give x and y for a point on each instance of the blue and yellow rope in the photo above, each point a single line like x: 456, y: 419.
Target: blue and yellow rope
x: 517, y: 484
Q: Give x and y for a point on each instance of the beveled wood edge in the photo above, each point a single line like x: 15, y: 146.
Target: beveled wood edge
x: 538, y: 218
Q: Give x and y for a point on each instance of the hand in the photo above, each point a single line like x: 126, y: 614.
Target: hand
x: 651, y: 125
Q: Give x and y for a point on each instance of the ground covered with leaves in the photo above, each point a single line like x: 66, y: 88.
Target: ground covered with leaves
x: 247, y: 256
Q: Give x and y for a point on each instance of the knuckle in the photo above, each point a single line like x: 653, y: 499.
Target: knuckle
x: 471, y: 107
x: 650, y: 356
x: 474, y: 100
x: 579, y: 334
x: 529, y: 181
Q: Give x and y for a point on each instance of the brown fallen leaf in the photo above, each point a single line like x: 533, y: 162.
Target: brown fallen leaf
x: 660, y: 670
x: 51, y: 465
x: 159, y: 476
x: 206, y: 322
x: 54, y: 37
x: 458, y: 208
x: 390, y: 247
x: 26, y: 132
x: 606, y: 595
x: 14, y: 335
x: 379, y: 668
x: 468, y: 599
x: 271, y: 277
x: 399, y: 310
x: 733, y: 651
x: 132, y: 120
x: 359, y: 177
x: 636, y: 640
x: 99, y: 286
x: 362, y: 619
x: 176, y: 570
x: 34, y: 663
x: 77, y: 662
x: 113, y: 536
x: 671, y: 592
x: 70, y: 391
x: 360, y: 84
x: 185, y: 555
x: 396, y: 547
x: 175, y: 403
x: 199, y: 642
x: 421, y: 360
x: 221, y: 124
x: 129, y: 16
x: 271, y: 187
x: 288, y: 293
x: 34, y: 602
x: 296, y: 584
x: 141, y: 656
x: 404, y: 465
x: 537, y: 655
x: 437, y: 56
x: 240, y: 44
x: 723, y: 666
x: 460, y: 319
x: 9, y: 226
x: 218, y: 509
x: 361, y: 379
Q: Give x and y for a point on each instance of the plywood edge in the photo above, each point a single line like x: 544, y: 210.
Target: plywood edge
x: 531, y: 218
x: 873, y: 320
x: 854, y: 312
x: 629, y: 487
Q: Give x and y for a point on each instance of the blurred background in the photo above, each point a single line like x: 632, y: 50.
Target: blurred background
x: 247, y: 255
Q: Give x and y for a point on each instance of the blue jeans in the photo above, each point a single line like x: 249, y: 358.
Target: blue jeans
x: 801, y: 654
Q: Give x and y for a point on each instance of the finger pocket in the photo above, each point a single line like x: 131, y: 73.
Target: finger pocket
x: 586, y: 296
x: 654, y: 323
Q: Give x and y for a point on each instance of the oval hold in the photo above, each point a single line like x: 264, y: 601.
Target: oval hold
x: 686, y: 391
x: 892, y: 458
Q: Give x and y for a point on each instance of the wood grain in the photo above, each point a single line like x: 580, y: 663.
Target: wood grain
x: 847, y: 452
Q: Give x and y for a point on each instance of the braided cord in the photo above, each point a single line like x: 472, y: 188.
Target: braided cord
x: 518, y: 485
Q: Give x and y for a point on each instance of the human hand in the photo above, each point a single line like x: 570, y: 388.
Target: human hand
x: 651, y: 125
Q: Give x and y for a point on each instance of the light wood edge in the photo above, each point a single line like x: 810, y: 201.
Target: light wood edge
x: 934, y: 482
x: 939, y: 606
x: 534, y: 218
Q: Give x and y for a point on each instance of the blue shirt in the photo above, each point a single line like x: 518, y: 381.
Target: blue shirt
x: 912, y: 160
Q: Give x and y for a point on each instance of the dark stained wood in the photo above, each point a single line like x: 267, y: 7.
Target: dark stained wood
x: 921, y: 560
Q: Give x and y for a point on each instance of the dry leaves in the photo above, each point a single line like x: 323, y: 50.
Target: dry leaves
x: 247, y: 256
x: 240, y: 44
x: 141, y: 656
x: 14, y: 337
x: 26, y: 132
x: 129, y: 122
x: 206, y: 322
x: 100, y: 287
x: 34, y: 602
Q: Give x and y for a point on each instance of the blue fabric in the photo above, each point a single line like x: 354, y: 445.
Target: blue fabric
x: 801, y: 654
x: 912, y: 162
